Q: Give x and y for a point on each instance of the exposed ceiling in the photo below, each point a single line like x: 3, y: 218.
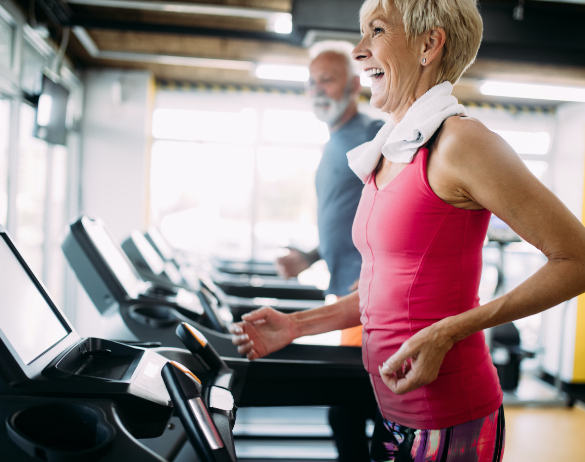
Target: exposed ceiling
x: 222, y: 41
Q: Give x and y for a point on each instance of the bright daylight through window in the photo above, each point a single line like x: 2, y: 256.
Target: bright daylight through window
x: 235, y: 178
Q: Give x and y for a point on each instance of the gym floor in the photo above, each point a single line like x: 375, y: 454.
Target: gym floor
x: 536, y: 434
x: 545, y: 435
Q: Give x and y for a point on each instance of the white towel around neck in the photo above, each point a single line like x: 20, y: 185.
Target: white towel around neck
x: 400, y: 143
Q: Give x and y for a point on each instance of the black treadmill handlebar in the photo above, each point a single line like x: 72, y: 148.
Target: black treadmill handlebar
x: 197, y: 344
x: 203, y: 432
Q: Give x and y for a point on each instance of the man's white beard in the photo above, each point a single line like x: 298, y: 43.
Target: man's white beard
x: 329, y: 110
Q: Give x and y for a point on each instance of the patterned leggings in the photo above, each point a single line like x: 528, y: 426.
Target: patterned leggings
x: 480, y: 440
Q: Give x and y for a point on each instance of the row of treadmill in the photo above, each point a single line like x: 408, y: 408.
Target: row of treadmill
x: 166, y: 382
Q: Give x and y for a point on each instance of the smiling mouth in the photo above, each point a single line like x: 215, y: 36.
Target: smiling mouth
x: 375, y: 74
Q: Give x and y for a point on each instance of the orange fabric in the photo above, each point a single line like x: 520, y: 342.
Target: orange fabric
x: 352, y: 336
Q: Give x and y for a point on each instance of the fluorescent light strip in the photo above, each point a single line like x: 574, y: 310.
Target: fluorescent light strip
x: 278, y: 22
x: 282, y: 72
x: 190, y: 8
x: 533, y: 91
x: 178, y: 60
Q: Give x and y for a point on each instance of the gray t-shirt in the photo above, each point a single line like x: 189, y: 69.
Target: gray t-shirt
x: 338, y: 195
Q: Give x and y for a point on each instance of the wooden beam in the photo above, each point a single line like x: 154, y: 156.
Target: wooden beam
x: 204, y: 47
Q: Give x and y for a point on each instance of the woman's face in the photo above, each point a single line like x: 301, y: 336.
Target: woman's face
x: 385, y: 55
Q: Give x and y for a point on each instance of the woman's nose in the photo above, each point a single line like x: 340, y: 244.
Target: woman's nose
x: 360, y: 52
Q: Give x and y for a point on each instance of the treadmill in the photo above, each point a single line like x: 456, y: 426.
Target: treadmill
x: 151, y: 266
x: 167, y: 253
x: 67, y: 398
x: 243, y: 279
x: 149, y: 319
x: 261, y: 268
x: 122, y: 296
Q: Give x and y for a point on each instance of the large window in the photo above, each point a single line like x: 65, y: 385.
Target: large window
x: 233, y: 174
x: 6, y: 43
x: 37, y: 180
x: 32, y: 187
x: 54, y: 268
x: 4, y: 138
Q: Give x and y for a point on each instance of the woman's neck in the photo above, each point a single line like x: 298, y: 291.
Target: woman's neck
x: 407, y: 99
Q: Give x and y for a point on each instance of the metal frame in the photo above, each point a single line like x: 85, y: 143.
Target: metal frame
x: 188, y: 8
x: 191, y: 61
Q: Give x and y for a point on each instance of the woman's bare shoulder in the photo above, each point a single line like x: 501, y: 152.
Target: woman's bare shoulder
x: 465, y: 154
x: 465, y: 142
x: 464, y: 133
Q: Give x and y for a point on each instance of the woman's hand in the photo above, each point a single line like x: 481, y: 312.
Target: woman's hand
x: 262, y: 332
x: 418, y: 360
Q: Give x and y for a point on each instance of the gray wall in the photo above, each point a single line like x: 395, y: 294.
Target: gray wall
x: 115, y: 154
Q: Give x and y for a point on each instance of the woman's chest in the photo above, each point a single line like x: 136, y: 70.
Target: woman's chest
x: 403, y: 217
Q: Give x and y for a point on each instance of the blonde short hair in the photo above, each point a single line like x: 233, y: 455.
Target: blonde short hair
x: 460, y: 19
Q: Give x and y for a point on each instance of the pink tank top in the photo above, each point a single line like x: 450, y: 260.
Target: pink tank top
x: 421, y: 262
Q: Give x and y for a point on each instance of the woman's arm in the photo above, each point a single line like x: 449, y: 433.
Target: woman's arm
x: 472, y: 168
x: 266, y: 330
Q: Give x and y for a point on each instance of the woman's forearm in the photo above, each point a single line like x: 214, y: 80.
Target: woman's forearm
x: 554, y: 283
x: 343, y: 314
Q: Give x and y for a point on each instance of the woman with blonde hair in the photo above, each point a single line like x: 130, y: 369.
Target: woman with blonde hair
x: 433, y: 177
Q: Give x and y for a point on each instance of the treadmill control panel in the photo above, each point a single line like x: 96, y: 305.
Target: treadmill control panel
x: 116, y: 260
x: 26, y: 318
x: 30, y: 323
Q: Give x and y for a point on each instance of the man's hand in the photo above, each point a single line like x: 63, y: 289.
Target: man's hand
x: 418, y: 360
x: 291, y: 265
x: 262, y: 332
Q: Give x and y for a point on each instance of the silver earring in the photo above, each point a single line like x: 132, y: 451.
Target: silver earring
x: 424, y: 60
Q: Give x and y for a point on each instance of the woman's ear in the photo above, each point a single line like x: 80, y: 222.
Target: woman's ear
x: 434, y: 42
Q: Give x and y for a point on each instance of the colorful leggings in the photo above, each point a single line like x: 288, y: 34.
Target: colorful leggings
x: 480, y: 440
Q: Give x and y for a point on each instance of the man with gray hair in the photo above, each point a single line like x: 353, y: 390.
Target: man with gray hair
x: 333, y: 88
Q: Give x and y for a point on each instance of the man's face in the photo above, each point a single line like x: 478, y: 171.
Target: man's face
x: 328, y: 88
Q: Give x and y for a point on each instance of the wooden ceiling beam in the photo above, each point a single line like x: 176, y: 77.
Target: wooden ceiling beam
x: 92, y: 13
x: 204, y: 47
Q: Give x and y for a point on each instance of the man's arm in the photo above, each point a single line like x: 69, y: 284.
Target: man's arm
x: 297, y: 261
x: 313, y: 256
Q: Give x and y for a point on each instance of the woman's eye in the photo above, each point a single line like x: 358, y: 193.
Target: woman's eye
x: 378, y: 30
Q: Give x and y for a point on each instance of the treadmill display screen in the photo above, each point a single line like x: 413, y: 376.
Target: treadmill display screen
x: 152, y: 259
x: 116, y: 260
x: 26, y: 318
x: 160, y: 242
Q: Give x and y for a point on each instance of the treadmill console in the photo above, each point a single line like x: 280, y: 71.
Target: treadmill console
x: 108, y: 276
x: 32, y: 329
x: 40, y: 352
x: 159, y: 243
x: 148, y: 262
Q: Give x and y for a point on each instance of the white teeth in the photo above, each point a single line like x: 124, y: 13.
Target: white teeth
x: 374, y: 72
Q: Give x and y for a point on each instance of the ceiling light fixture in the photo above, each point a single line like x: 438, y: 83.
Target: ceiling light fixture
x: 278, y: 22
x: 282, y: 72
x: 282, y: 24
x: 533, y: 91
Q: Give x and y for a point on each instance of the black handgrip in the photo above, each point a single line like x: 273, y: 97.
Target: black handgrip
x: 197, y: 344
x: 185, y: 391
x: 213, y: 316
